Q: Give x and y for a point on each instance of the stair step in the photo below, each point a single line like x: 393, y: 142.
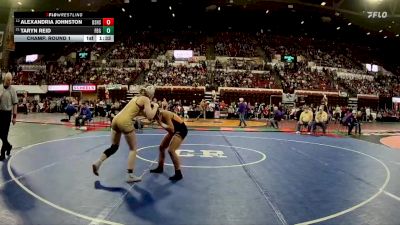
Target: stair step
x: 352, y: 102
x: 208, y: 96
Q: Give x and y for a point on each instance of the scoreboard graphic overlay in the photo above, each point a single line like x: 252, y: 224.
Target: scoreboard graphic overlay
x: 62, y: 27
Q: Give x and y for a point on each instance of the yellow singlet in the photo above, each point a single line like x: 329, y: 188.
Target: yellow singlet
x: 123, y: 121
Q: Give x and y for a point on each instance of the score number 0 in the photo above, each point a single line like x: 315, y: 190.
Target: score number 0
x: 108, y: 21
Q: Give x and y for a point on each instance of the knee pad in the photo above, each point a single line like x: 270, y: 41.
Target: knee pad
x: 111, y: 150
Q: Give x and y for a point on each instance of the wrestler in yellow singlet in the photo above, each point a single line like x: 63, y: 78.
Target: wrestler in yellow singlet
x: 123, y: 123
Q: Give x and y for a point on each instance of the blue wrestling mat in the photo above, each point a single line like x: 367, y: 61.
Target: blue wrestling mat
x: 229, y: 178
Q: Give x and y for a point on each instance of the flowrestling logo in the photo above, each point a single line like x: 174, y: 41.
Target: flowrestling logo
x: 375, y: 14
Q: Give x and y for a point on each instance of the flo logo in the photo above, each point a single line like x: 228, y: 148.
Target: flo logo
x: 377, y: 14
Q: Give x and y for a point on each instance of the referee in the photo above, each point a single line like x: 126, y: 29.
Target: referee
x: 8, y: 109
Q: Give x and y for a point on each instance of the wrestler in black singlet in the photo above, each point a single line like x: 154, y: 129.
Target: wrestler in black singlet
x: 179, y: 128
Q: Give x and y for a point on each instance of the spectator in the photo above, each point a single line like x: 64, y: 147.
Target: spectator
x: 70, y: 111
x: 242, y: 112
x: 277, y: 117
x: 306, y: 118
x: 84, y: 115
x: 321, y: 119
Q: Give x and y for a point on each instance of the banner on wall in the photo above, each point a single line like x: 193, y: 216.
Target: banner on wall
x: 84, y: 87
x: 365, y: 96
x: 197, y: 59
x: 288, y: 98
x: 31, y: 89
x: 58, y: 87
x: 114, y: 87
x: 31, y: 67
x: 396, y: 99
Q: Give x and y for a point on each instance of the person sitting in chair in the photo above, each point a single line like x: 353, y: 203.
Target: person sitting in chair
x: 321, y: 119
x: 84, y: 115
x: 277, y: 117
x: 113, y: 111
x: 306, y: 118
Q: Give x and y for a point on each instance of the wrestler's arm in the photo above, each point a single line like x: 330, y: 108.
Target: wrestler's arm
x: 148, y: 110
